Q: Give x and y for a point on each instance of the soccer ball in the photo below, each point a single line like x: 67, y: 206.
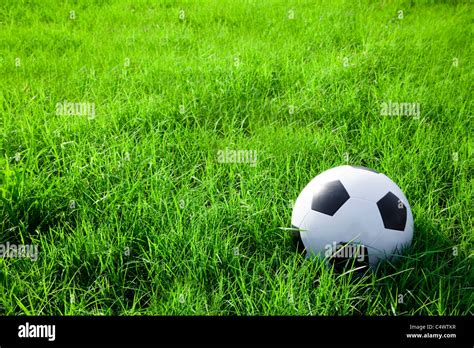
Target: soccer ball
x: 352, y: 214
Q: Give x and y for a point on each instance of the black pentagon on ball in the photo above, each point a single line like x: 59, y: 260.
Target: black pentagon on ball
x: 329, y: 197
x: 393, y: 212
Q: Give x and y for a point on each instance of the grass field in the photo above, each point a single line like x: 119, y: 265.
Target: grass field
x: 128, y: 203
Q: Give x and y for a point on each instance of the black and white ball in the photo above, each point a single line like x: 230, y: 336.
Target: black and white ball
x: 352, y: 214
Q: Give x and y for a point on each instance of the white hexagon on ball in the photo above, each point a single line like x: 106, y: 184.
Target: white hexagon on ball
x: 352, y: 214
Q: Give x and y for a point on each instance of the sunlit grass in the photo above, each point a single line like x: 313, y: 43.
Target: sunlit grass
x: 131, y: 209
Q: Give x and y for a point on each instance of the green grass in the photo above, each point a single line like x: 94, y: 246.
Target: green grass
x: 131, y: 210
